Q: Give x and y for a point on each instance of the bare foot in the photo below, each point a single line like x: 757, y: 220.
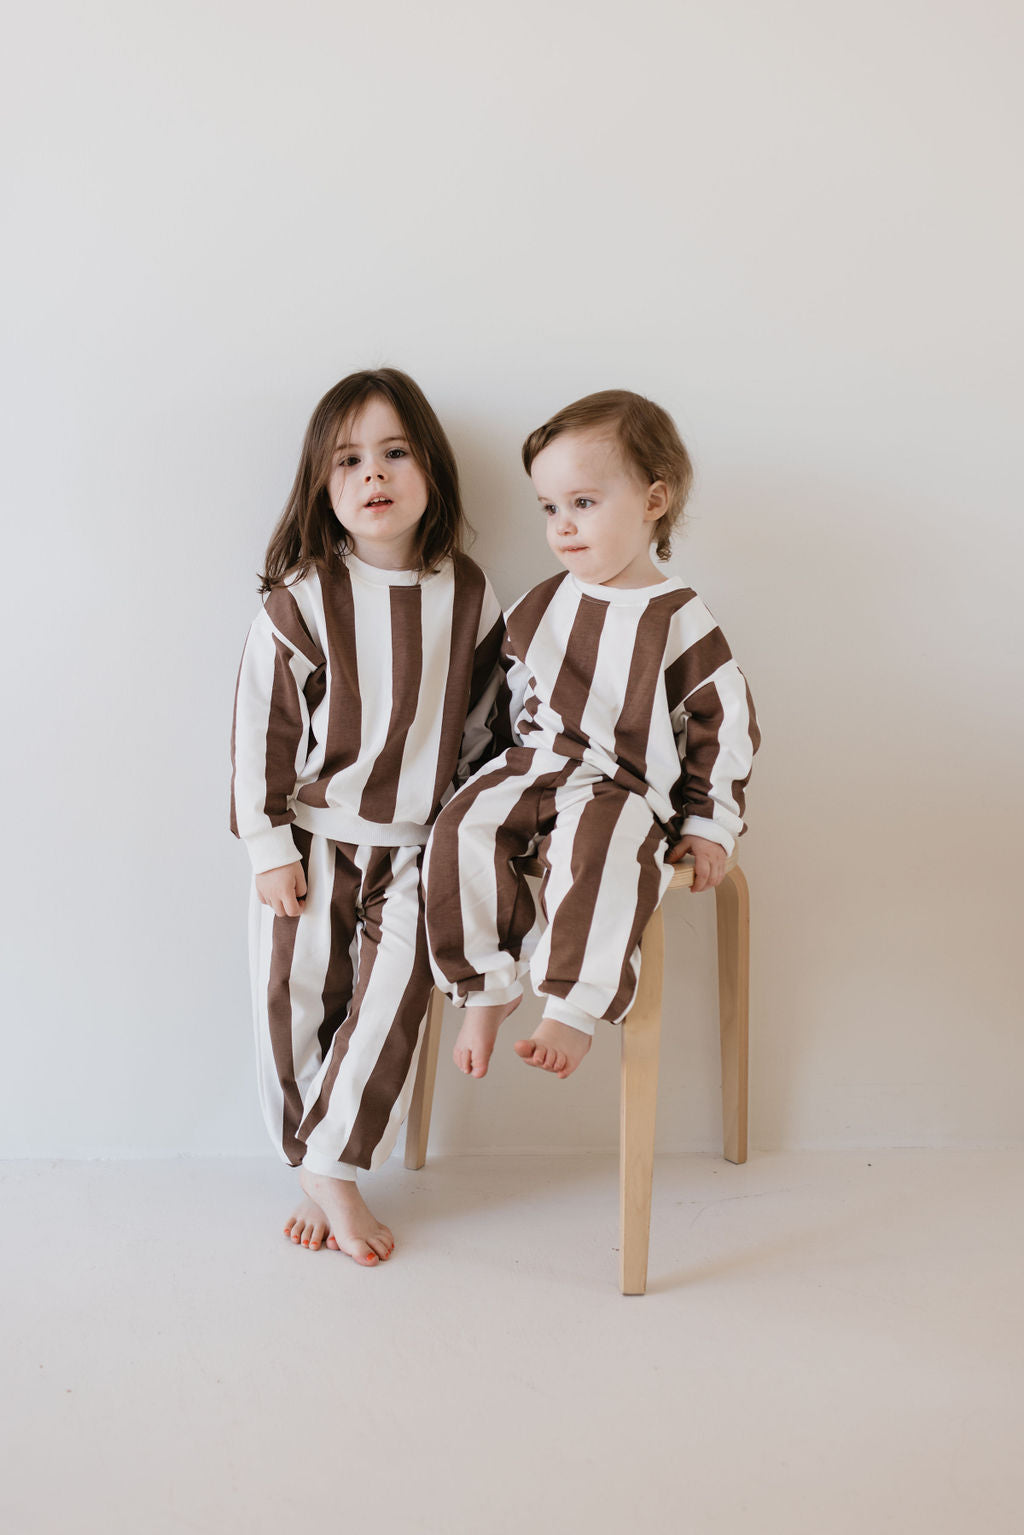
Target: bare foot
x: 308, y: 1225
x: 475, y: 1044
x: 353, y: 1227
x: 554, y: 1046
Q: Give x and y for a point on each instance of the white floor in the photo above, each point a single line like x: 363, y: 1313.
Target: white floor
x: 831, y: 1343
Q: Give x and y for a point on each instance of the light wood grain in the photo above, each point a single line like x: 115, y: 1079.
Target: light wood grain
x: 418, y: 1124
x: 638, y: 1102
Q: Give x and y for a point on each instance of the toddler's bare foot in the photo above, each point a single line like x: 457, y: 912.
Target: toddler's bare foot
x: 309, y: 1226
x: 475, y: 1044
x: 554, y: 1046
x: 354, y: 1229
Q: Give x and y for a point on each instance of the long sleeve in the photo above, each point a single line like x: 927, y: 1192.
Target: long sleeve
x: 510, y: 696
x: 716, y: 730
x: 478, y: 737
x: 271, y: 733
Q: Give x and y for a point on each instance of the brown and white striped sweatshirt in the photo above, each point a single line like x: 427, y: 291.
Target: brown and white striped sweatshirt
x: 640, y: 685
x: 361, y: 698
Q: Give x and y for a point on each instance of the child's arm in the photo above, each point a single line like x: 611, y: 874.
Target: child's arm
x: 477, y: 737
x: 271, y: 733
x: 513, y: 679
x: 716, y: 733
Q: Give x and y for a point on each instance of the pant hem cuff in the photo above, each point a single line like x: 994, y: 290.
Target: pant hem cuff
x: 564, y: 1012
x: 329, y: 1167
x: 495, y: 998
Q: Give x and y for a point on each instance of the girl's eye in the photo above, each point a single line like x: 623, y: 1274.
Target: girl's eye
x: 396, y: 453
x: 347, y: 463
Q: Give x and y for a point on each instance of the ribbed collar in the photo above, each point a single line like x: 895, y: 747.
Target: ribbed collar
x: 628, y: 596
x: 374, y: 576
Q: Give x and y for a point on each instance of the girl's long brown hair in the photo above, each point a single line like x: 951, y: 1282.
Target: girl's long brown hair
x: 308, y: 533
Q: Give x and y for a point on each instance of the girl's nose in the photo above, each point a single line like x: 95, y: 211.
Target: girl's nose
x: 374, y: 472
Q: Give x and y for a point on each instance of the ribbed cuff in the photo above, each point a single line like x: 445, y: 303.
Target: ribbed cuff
x: 329, y: 1167
x: 272, y: 849
x: 564, y: 1012
x: 700, y: 826
x: 492, y: 998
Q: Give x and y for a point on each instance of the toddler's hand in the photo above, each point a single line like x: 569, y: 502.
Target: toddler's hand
x: 283, y: 889
x: 708, y: 861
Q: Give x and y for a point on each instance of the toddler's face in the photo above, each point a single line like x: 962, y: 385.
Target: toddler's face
x: 599, y: 515
x: 377, y: 489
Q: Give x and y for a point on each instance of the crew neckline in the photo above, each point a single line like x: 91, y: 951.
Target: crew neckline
x: 375, y: 575
x: 627, y: 596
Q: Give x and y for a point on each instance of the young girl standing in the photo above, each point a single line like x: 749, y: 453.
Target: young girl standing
x: 363, y: 696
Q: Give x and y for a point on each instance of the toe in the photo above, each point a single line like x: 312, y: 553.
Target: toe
x: 332, y: 1244
x: 317, y: 1236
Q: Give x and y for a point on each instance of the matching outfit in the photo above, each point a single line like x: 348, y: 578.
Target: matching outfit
x: 361, y: 699
x: 627, y: 725
x: 623, y: 724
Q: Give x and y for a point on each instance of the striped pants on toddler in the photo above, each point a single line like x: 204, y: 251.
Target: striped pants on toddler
x: 604, y: 875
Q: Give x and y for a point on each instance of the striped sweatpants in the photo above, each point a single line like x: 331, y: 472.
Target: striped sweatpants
x: 339, y: 998
x: 604, y: 874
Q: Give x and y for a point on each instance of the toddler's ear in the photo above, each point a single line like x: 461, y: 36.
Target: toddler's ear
x: 657, y: 501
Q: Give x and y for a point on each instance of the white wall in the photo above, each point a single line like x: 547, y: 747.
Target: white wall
x: 791, y: 224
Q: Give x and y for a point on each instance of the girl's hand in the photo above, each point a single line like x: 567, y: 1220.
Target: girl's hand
x: 708, y: 861
x: 283, y: 889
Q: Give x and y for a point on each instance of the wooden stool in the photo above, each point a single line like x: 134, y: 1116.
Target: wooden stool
x: 641, y: 1031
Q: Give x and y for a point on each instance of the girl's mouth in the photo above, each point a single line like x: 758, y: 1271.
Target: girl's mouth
x: 380, y: 501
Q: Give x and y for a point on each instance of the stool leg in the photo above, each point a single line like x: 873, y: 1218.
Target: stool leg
x: 733, y: 912
x: 641, y: 1037
x: 417, y: 1126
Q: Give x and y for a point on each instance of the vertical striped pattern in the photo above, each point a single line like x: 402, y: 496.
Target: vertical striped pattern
x: 633, y: 725
x: 637, y: 695
x: 522, y: 623
x: 270, y: 724
x: 475, y: 894
x: 341, y: 747
x: 571, y: 692
x: 339, y: 997
x: 360, y: 698
x: 634, y: 681
x: 381, y: 791
x: 469, y: 655
x: 605, y: 873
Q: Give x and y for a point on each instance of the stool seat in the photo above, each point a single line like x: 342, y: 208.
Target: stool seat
x: 641, y: 1034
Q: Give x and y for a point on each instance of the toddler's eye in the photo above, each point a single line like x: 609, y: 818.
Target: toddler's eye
x: 548, y: 510
x: 582, y: 502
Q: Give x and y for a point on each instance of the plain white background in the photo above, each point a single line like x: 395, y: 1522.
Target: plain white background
x: 794, y: 226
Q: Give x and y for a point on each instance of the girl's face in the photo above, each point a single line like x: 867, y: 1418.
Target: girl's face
x: 377, y: 489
